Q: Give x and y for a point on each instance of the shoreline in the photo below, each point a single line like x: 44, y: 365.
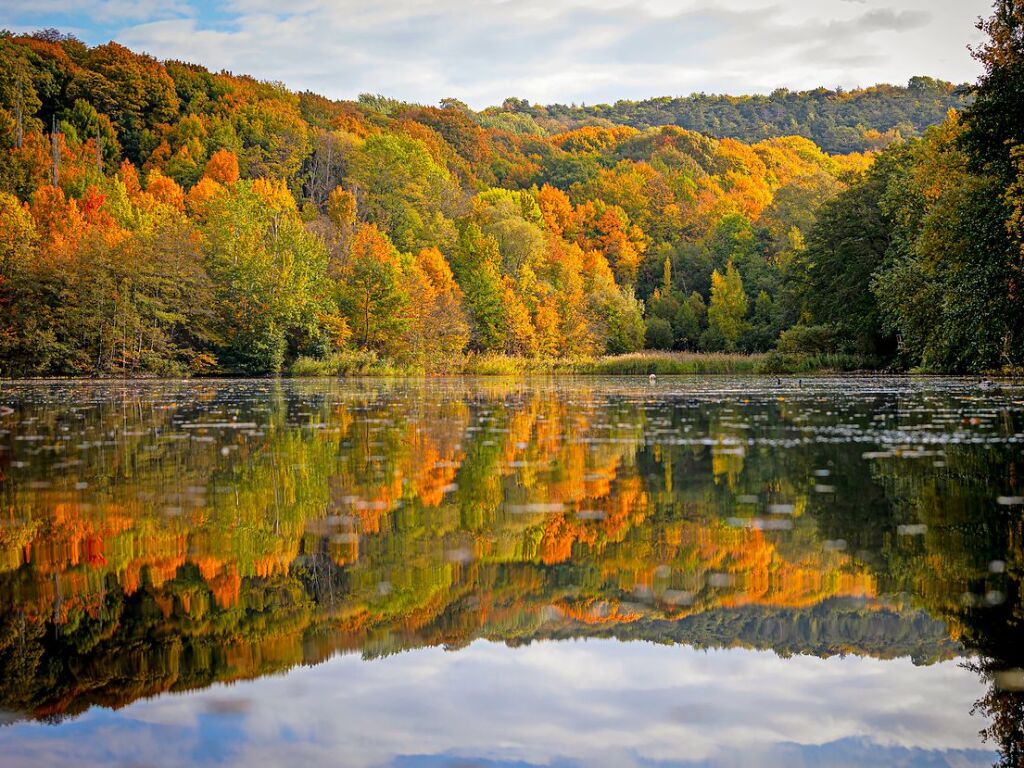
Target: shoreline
x: 361, y: 365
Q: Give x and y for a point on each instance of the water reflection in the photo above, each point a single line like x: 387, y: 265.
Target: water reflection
x: 599, y: 703
x: 166, y: 536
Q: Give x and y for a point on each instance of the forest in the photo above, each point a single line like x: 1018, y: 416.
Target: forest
x: 162, y: 219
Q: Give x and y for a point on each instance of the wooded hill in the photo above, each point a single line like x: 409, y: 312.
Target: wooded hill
x: 836, y: 120
x: 160, y: 218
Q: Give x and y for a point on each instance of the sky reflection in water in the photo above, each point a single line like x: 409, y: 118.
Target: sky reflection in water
x: 591, y: 703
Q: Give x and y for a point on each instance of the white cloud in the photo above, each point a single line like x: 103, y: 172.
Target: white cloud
x: 567, y: 50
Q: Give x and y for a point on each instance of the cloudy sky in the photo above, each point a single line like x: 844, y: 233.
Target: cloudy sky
x: 482, y: 51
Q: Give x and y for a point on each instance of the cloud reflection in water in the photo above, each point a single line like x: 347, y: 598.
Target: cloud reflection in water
x: 595, y: 703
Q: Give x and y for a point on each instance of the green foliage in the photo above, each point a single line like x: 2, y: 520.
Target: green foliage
x: 134, y: 91
x: 476, y: 268
x: 778, y: 361
x: 947, y: 287
x: 995, y: 119
x: 728, y: 307
x: 814, y: 339
x: 847, y: 246
x: 621, y: 319
x: 371, y: 297
x: 268, y: 274
x: 350, y: 362
x: 405, y: 191
x: 925, y: 249
x: 658, y: 334
x: 274, y: 138
x: 514, y: 220
x: 83, y: 123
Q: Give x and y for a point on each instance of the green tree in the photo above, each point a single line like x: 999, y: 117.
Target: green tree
x: 658, y: 334
x: 514, y: 220
x: 621, y: 315
x: 995, y: 119
x: 847, y: 245
x: 269, y: 275
x: 133, y: 90
x: 690, y: 321
x: 476, y: 270
x: 948, y: 285
x: 404, y: 191
x: 728, y: 306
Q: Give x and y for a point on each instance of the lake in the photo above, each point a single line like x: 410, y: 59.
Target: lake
x: 603, y: 572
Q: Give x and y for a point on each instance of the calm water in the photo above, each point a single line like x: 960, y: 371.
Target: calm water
x: 700, y: 572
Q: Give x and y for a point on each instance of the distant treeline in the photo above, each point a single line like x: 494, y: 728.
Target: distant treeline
x: 838, y: 121
x: 833, y: 627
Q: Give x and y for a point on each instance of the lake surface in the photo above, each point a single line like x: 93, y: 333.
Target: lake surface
x: 698, y: 572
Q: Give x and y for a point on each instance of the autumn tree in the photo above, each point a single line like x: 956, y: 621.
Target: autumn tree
x: 439, y: 329
x: 371, y: 291
x: 25, y: 344
x: 222, y: 167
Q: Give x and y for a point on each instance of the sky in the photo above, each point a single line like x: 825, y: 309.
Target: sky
x: 598, y: 703
x: 546, y: 51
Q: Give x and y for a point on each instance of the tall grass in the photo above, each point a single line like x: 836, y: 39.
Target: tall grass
x: 666, y: 364
x: 356, y: 363
x: 670, y: 364
x: 489, y: 364
x: 352, y: 363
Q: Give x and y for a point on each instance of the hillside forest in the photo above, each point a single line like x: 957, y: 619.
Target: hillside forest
x: 157, y: 218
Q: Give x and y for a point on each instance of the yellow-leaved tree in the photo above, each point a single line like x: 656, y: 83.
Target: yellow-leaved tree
x: 728, y: 308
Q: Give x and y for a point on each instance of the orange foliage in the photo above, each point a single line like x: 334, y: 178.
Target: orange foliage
x: 591, y: 138
x: 222, y: 167
x: 598, y: 612
x: 165, y: 190
x: 557, y: 210
x: 370, y: 243
x: 130, y: 178
x: 59, y: 222
x: 198, y: 199
x: 610, y: 232
x: 438, y: 272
